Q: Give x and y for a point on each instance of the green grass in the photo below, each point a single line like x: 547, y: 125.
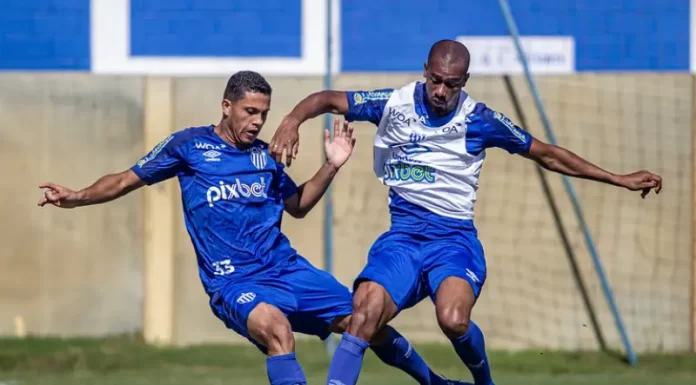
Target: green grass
x: 127, y: 361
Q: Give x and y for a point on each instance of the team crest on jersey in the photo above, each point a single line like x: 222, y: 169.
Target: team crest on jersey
x: 508, y: 123
x: 258, y: 157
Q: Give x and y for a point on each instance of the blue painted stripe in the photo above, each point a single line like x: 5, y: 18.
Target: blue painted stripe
x: 44, y: 35
x: 395, y: 35
x: 224, y: 28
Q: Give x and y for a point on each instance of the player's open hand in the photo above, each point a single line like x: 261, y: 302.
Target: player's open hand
x: 58, y: 196
x: 285, y: 140
x: 339, y: 149
x: 643, y: 181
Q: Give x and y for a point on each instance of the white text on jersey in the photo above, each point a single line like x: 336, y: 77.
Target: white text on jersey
x: 236, y: 190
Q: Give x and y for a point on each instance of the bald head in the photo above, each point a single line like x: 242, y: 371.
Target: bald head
x: 449, y: 52
x: 445, y: 73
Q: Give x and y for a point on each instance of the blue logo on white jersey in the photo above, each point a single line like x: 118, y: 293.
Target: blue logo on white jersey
x: 413, y: 147
x: 236, y: 190
x: 405, y: 172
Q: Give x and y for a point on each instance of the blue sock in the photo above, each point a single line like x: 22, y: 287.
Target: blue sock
x: 471, y: 348
x: 396, y: 351
x: 347, y: 360
x: 285, y: 370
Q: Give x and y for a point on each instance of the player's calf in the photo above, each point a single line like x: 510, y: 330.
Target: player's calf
x: 270, y: 328
x: 454, y: 300
x: 394, y: 350
x: 372, y: 309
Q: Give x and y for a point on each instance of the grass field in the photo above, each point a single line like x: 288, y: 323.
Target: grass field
x: 127, y: 361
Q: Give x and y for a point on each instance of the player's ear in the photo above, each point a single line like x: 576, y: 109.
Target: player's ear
x: 466, y: 79
x: 425, y: 69
x: 226, y: 107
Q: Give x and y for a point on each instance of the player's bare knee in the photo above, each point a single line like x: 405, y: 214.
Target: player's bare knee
x: 268, y: 326
x: 281, y: 340
x: 453, y: 320
x: 363, y: 322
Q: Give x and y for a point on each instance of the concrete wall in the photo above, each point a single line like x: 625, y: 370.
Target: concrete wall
x: 79, y: 272
x: 69, y: 272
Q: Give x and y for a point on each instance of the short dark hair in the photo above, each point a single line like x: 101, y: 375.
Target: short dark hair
x: 246, y: 81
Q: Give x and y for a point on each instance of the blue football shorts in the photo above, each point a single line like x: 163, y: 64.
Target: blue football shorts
x: 309, y: 297
x: 411, y: 261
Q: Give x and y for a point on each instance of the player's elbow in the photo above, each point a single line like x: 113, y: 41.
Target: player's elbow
x: 558, y: 159
x: 335, y: 102
x: 299, y: 214
x: 296, y: 212
x: 545, y: 155
x: 126, y: 182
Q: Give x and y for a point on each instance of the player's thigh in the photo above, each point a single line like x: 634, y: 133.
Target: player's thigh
x: 457, y: 253
x: 456, y: 272
x: 234, y: 304
x: 394, y: 264
x: 321, y: 299
x: 454, y: 301
x: 268, y: 326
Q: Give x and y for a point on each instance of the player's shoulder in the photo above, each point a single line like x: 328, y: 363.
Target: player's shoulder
x: 481, y: 113
x: 189, y: 135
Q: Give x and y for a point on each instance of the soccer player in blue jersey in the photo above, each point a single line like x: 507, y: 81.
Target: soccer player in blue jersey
x: 233, y: 197
x: 429, y: 149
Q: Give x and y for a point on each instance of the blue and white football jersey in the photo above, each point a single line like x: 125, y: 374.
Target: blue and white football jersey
x: 232, y: 201
x: 430, y: 163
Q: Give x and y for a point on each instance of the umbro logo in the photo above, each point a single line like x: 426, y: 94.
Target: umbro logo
x: 212, y: 156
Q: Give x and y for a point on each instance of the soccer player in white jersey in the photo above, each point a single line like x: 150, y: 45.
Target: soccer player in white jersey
x: 429, y: 148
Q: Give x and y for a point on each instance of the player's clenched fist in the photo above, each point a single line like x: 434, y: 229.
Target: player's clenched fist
x: 58, y: 196
x: 285, y: 140
x: 642, y: 180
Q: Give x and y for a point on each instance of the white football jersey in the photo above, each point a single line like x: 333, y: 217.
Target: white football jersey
x: 431, y: 164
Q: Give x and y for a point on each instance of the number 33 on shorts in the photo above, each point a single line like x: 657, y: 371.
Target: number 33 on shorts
x: 223, y: 267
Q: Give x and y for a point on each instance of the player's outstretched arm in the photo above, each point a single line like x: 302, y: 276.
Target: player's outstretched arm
x: 499, y: 131
x: 286, y: 138
x: 105, y: 189
x: 337, y: 153
x: 561, y: 160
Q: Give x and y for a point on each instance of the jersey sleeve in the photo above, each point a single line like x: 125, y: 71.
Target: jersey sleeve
x: 501, y: 132
x: 283, y: 185
x: 163, y: 162
x: 367, y: 106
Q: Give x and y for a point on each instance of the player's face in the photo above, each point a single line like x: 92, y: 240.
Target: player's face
x: 246, y: 116
x: 443, y: 83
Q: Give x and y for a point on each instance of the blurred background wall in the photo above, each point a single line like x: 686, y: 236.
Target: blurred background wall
x: 87, y: 87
